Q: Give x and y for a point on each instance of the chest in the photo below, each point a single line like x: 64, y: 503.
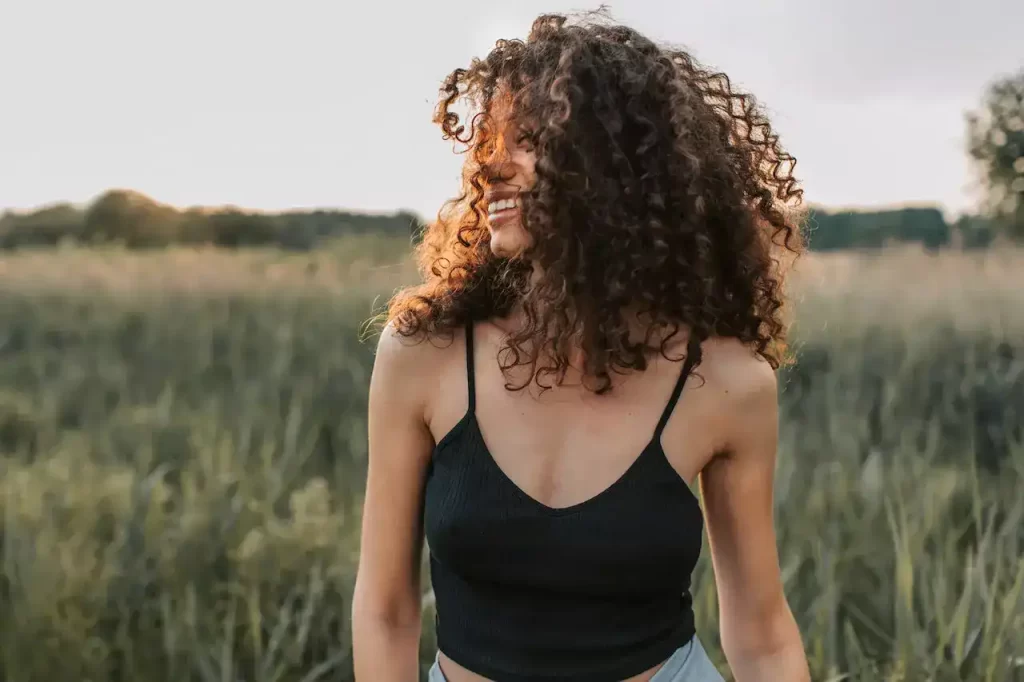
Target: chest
x: 565, y: 445
x: 638, y: 532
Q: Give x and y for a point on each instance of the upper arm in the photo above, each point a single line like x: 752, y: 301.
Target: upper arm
x: 737, y: 490
x: 400, y: 446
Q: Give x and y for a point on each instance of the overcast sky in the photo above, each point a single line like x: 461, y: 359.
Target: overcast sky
x: 327, y: 103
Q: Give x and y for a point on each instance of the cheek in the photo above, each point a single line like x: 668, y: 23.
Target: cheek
x: 526, y: 168
x: 530, y: 169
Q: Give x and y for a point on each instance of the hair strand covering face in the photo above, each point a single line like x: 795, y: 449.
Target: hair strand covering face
x: 659, y: 190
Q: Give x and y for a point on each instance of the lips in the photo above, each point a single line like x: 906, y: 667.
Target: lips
x: 494, y: 207
x: 502, y: 206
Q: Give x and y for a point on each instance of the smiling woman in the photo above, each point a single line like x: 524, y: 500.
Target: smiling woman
x: 598, y: 329
x: 512, y: 172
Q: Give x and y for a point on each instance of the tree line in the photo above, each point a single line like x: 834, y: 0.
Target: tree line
x: 927, y: 227
x: 995, y: 134
x: 995, y: 147
x: 136, y: 221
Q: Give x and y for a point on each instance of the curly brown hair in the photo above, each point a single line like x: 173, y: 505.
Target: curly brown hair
x: 659, y: 189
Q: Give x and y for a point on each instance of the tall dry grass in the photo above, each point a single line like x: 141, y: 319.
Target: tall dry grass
x: 182, y: 448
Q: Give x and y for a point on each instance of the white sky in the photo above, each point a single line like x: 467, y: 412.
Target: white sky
x: 327, y: 103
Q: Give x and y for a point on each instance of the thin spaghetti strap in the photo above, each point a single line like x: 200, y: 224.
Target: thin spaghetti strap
x: 470, y: 373
x: 692, y: 357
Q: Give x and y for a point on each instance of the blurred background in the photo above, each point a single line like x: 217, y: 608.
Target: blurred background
x: 203, y: 202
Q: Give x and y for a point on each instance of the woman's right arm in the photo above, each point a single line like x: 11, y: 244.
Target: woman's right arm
x: 386, y: 601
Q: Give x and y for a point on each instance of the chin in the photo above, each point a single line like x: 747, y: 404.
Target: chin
x: 509, y: 241
x: 500, y: 250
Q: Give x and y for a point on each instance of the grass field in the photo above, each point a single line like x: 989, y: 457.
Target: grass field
x: 182, y: 448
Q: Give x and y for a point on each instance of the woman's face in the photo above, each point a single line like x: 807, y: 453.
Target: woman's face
x: 510, y: 171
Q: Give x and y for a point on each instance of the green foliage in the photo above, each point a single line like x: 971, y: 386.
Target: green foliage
x: 831, y: 231
x: 996, y: 143
x: 47, y: 226
x: 975, y: 232
x: 132, y: 219
x: 235, y: 228
x: 177, y: 487
x: 137, y: 222
x: 181, y: 475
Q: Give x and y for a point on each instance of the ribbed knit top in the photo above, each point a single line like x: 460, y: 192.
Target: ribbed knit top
x: 598, y: 591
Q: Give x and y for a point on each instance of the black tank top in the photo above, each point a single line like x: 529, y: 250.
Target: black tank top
x: 595, y: 592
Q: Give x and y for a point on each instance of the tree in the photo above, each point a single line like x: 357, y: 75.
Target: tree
x: 876, y: 229
x: 996, y: 143
x: 131, y: 218
x: 47, y: 226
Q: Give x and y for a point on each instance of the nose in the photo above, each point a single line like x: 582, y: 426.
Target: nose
x: 493, y: 156
x: 497, y: 167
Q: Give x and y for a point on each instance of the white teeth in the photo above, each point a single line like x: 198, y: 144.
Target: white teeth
x: 503, y: 205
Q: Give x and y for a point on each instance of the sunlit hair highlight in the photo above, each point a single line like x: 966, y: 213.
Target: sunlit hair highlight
x: 662, y: 195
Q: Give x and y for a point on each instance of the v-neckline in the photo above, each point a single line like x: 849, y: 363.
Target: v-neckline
x: 634, y: 465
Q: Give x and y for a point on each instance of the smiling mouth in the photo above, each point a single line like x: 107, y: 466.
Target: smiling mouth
x: 502, y: 209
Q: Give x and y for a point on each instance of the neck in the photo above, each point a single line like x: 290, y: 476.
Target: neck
x: 536, y: 272
x: 638, y: 325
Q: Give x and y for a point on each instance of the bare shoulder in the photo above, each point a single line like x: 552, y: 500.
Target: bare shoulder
x: 743, y: 387
x: 396, y: 350
x: 736, y: 371
x: 408, y: 369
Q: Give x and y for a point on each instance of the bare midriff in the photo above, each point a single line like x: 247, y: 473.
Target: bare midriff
x: 453, y: 672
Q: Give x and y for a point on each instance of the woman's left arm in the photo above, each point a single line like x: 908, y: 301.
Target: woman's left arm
x: 759, y: 634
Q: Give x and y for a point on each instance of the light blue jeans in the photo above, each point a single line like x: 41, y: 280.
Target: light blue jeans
x: 689, y: 663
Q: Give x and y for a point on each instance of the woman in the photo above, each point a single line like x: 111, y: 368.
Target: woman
x: 600, y: 324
